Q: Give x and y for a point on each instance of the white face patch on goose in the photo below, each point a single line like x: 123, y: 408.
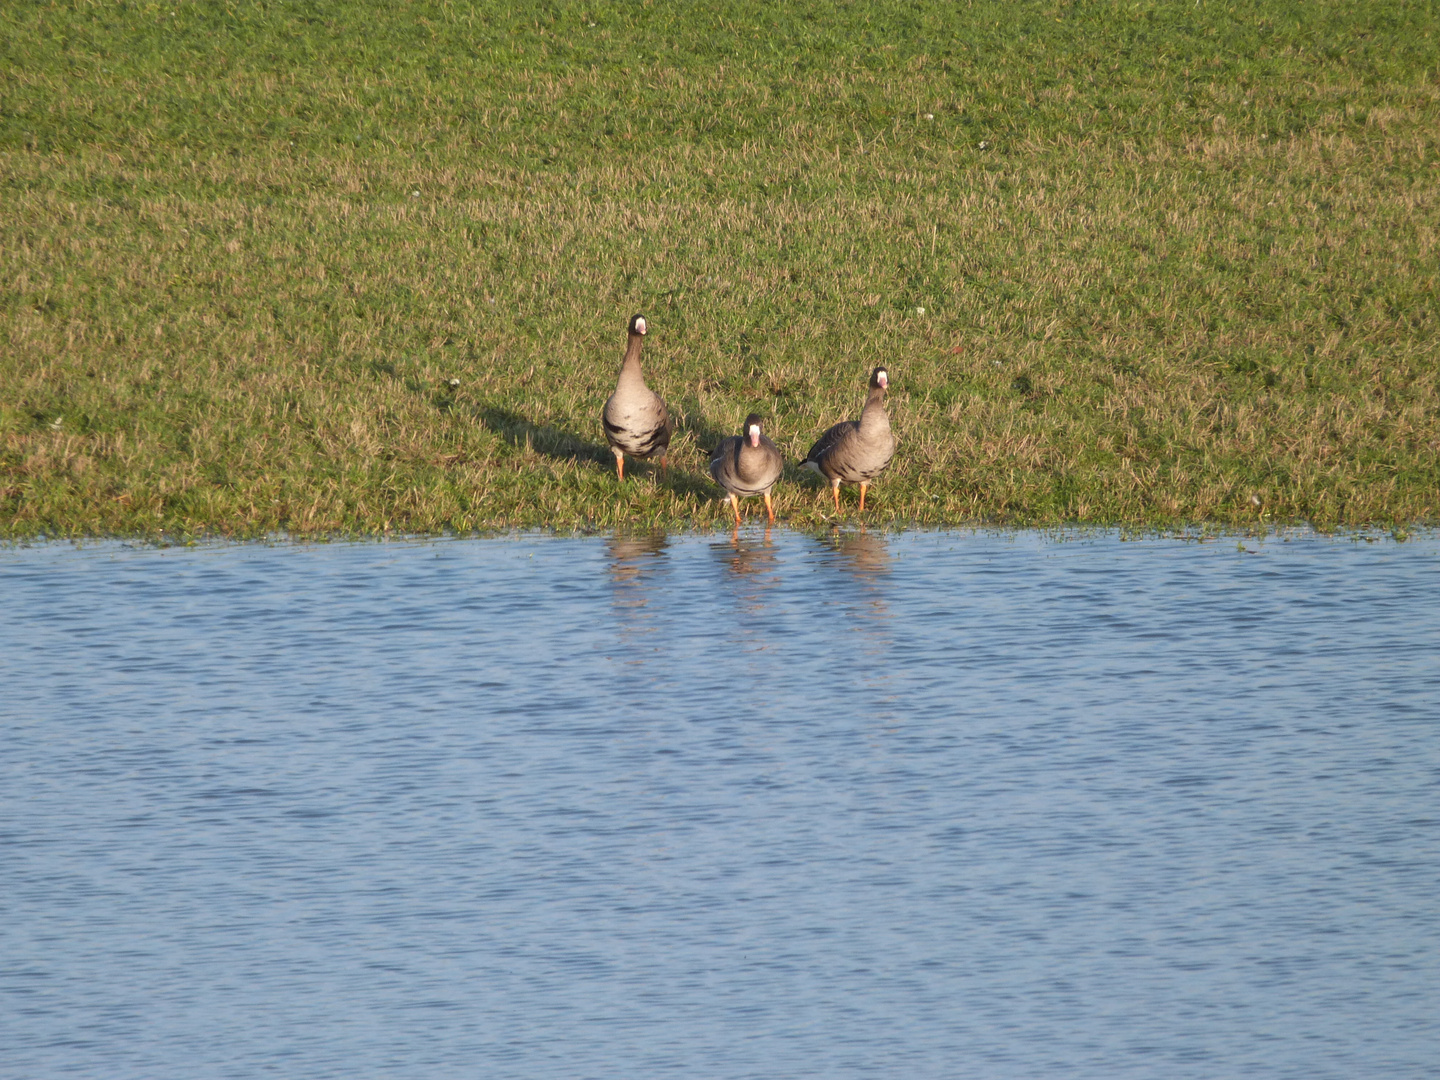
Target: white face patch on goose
x: 754, y: 434
x: 640, y: 326
x: 882, y: 379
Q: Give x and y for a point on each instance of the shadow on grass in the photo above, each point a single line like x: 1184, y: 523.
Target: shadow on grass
x: 677, y: 479
x: 707, y: 437
x: 543, y: 438
x: 567, y: 446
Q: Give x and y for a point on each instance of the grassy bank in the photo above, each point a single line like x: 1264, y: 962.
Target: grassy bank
x: 1141, y: 263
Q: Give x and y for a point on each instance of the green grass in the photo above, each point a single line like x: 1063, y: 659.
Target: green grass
x: 1173, y: 259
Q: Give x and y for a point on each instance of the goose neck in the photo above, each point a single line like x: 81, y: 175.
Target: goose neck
x: 873, y: 418
x: 630, y: 366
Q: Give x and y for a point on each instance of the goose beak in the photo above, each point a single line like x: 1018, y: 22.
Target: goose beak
x: 640, y: 326
x: 884, y: 380
x: 754, y: 435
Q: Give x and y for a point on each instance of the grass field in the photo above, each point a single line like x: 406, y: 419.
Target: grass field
x: 1155, y: 264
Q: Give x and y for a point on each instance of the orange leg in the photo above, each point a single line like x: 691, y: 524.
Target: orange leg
x: 735, y: 505
x: 620, y: 464
x: 770, y: 508
x: 862, y: 497
x: 835, y: 487
x: 663, y: 458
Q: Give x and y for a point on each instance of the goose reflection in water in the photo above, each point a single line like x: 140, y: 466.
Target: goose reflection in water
x: 639, y: 568
x: 751, y: 563
x: 747, y: 556
x: 860, y: 582
x: 865, y: 553
x: 866, y: 558
x: 633, y: 560
x: 633, y: 556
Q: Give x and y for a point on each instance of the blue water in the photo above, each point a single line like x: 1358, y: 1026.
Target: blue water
x: 917, y: 805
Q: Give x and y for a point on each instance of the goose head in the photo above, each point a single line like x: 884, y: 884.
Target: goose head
x: 637, y: 325
x: 752, y: 429
x: 879, y: 379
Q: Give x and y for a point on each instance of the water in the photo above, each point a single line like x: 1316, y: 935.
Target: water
x: 927, y: 805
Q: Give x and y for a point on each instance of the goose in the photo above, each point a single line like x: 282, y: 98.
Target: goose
x: 747, y: 464
x: 856, y: 451
x: 635, y: 419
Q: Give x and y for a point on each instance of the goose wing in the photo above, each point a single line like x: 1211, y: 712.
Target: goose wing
x: 826, y: 446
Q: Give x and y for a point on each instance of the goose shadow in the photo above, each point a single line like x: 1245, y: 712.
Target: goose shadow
x: 556, y: 442
x: 519, y: 431
x: 706, y: 435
